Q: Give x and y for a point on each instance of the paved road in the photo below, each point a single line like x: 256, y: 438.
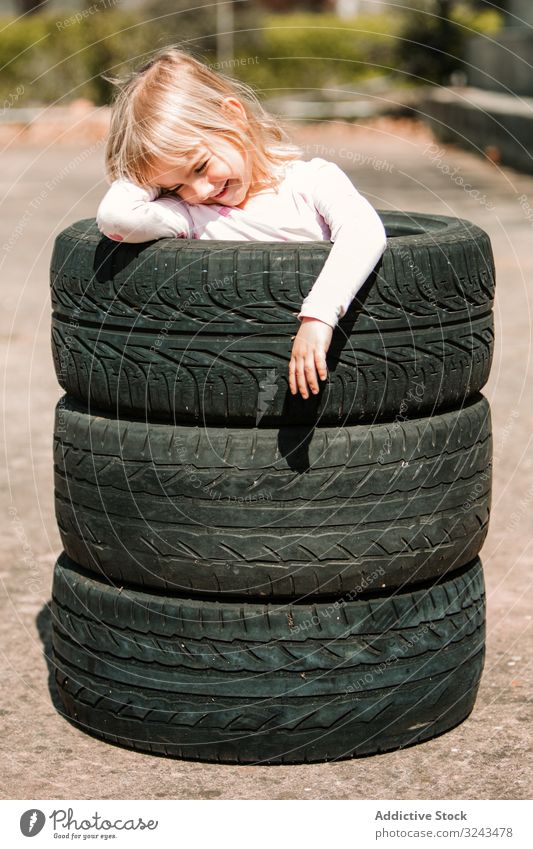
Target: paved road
x: 43, y: 756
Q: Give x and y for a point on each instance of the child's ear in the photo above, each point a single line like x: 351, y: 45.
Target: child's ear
x: 235, y: 109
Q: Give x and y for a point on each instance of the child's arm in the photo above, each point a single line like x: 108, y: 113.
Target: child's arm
x: 131, y: 213
x: 359, y: 240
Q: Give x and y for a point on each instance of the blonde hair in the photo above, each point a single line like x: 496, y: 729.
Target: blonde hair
x: 164, y: 108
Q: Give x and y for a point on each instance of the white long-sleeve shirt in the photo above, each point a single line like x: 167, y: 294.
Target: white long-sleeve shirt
x: 314, y: 201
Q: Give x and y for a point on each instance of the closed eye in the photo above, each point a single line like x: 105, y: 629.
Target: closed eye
x: 196, y: 171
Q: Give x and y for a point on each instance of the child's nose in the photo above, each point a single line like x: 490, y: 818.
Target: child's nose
x: 203, y: 189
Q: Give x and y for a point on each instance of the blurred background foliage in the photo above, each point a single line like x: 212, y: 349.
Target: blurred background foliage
x: 56, y: 57
x: 434, y: 37
x: 303, y: 51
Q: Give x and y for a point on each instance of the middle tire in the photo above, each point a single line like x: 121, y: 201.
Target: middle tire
x: 275, y: 514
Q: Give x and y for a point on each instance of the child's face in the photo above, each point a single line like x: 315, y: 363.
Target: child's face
x: 218, y: 174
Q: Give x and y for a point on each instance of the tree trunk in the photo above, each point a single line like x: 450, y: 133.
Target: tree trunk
x: 30, y: 7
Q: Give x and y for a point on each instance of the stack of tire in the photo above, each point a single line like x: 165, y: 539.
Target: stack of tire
x: 249, y: 576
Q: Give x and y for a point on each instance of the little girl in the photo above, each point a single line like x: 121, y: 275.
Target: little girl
x: 192, y: 154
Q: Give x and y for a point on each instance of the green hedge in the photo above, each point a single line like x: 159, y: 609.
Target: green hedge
x: 57, y: 60
x: 48, y: 59
x: 304, y: 51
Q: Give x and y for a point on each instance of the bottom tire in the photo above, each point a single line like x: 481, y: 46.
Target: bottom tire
x: 267, y: 683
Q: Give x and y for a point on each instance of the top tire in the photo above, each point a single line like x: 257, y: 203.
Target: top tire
x: 200, y: 331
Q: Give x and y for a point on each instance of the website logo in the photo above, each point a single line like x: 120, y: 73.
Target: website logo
x: 32, y: 822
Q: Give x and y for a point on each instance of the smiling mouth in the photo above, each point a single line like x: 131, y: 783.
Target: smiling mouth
x: 223, y: 190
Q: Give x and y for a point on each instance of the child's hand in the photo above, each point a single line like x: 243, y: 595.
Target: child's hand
x: 308, y: 356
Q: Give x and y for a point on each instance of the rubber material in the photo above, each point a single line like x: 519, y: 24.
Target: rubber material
x: 189, y: 331
x: 272, y: 514
x: 257, y: 683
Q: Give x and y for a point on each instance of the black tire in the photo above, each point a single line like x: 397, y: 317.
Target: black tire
x: 194, y: 331
x: 263, y: 683
x: 330, y: 509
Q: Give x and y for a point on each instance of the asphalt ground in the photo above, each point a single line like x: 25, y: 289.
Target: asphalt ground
x: 45, y: 186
